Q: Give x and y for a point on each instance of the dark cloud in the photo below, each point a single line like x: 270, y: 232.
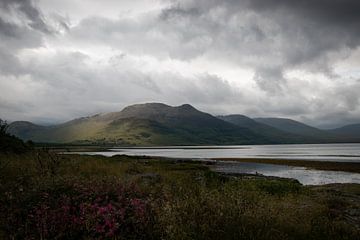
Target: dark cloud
x: 176, y: 11
x: 287, y: 34
x: 102, y: 63
x: 16, y: 36
x: 8, y: 29
x: 270, y: 79
x: 329, y: 12
x: 322, y: 25
x: 30, y: 12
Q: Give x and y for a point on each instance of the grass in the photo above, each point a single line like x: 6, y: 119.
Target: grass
x: 319, y: 165
x: 50, y: 196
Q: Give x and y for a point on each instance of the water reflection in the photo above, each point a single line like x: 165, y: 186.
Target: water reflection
x: 314, y: 152
x: 318, y: 152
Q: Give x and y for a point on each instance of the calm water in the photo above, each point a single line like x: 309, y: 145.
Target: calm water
x: 317, y: 152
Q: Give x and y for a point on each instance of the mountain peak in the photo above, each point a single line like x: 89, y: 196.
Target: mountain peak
x: 187, y: 107
x: 152, y: 105
x: 22, y: 124
x: 157, y: 111
x: 144, y: 108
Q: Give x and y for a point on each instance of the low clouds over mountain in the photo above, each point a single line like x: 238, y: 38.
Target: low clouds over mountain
x: 295, y: 59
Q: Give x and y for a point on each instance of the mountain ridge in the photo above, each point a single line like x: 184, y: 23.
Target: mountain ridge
x: 160, y: 124
x: 269, y: 131
x: 142, y: 124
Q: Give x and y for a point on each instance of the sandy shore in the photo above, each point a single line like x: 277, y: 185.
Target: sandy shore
x: 319, y: 165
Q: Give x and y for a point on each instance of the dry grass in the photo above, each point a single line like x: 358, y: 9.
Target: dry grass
x: 187, y: 200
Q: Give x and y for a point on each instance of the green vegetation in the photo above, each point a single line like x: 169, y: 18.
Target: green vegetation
x: 51, y: 196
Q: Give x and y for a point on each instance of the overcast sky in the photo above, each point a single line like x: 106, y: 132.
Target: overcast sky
x: 288, y: 58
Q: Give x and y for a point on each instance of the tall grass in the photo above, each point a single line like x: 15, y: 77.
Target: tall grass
x: 49, y: 196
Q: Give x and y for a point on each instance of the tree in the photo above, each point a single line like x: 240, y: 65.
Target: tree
x: 3, y: 127
x: 10, y: 143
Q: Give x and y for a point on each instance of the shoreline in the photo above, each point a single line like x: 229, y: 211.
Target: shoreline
x: 352, y: 167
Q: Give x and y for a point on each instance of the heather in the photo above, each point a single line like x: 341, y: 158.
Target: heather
x: 51, y: 196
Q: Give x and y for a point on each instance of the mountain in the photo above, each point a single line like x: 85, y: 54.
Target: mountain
x: 352, y: 131
x: 309, y: 134
x: 264, y: 129
x: 292, y: 126
x: 154, y: 124
x: 25, y: 130
x: 143, y: 124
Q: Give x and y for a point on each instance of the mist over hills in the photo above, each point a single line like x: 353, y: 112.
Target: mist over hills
x: 153, y: 124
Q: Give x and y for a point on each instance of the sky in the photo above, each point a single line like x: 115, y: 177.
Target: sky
x: 61, y: 60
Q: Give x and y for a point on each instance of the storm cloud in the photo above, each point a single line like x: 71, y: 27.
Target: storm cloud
x: 297, y: 59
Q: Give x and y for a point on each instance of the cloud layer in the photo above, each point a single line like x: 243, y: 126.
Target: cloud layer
x: 297, y: 59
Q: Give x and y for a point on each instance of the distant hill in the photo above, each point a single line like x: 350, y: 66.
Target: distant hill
x: 264, y: 129
x: 159, y: 124
x: 25, y: 130
x: 352, y: 131
x: 292, y: 126
x: 310, y: 133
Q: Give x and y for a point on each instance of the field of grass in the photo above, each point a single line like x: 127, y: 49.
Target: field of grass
x: 49, y: 196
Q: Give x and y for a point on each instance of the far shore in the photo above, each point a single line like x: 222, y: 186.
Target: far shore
x: 353, y: 167
x: 319, y: 165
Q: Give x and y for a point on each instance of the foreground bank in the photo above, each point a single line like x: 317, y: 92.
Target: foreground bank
x: 48, y: 196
